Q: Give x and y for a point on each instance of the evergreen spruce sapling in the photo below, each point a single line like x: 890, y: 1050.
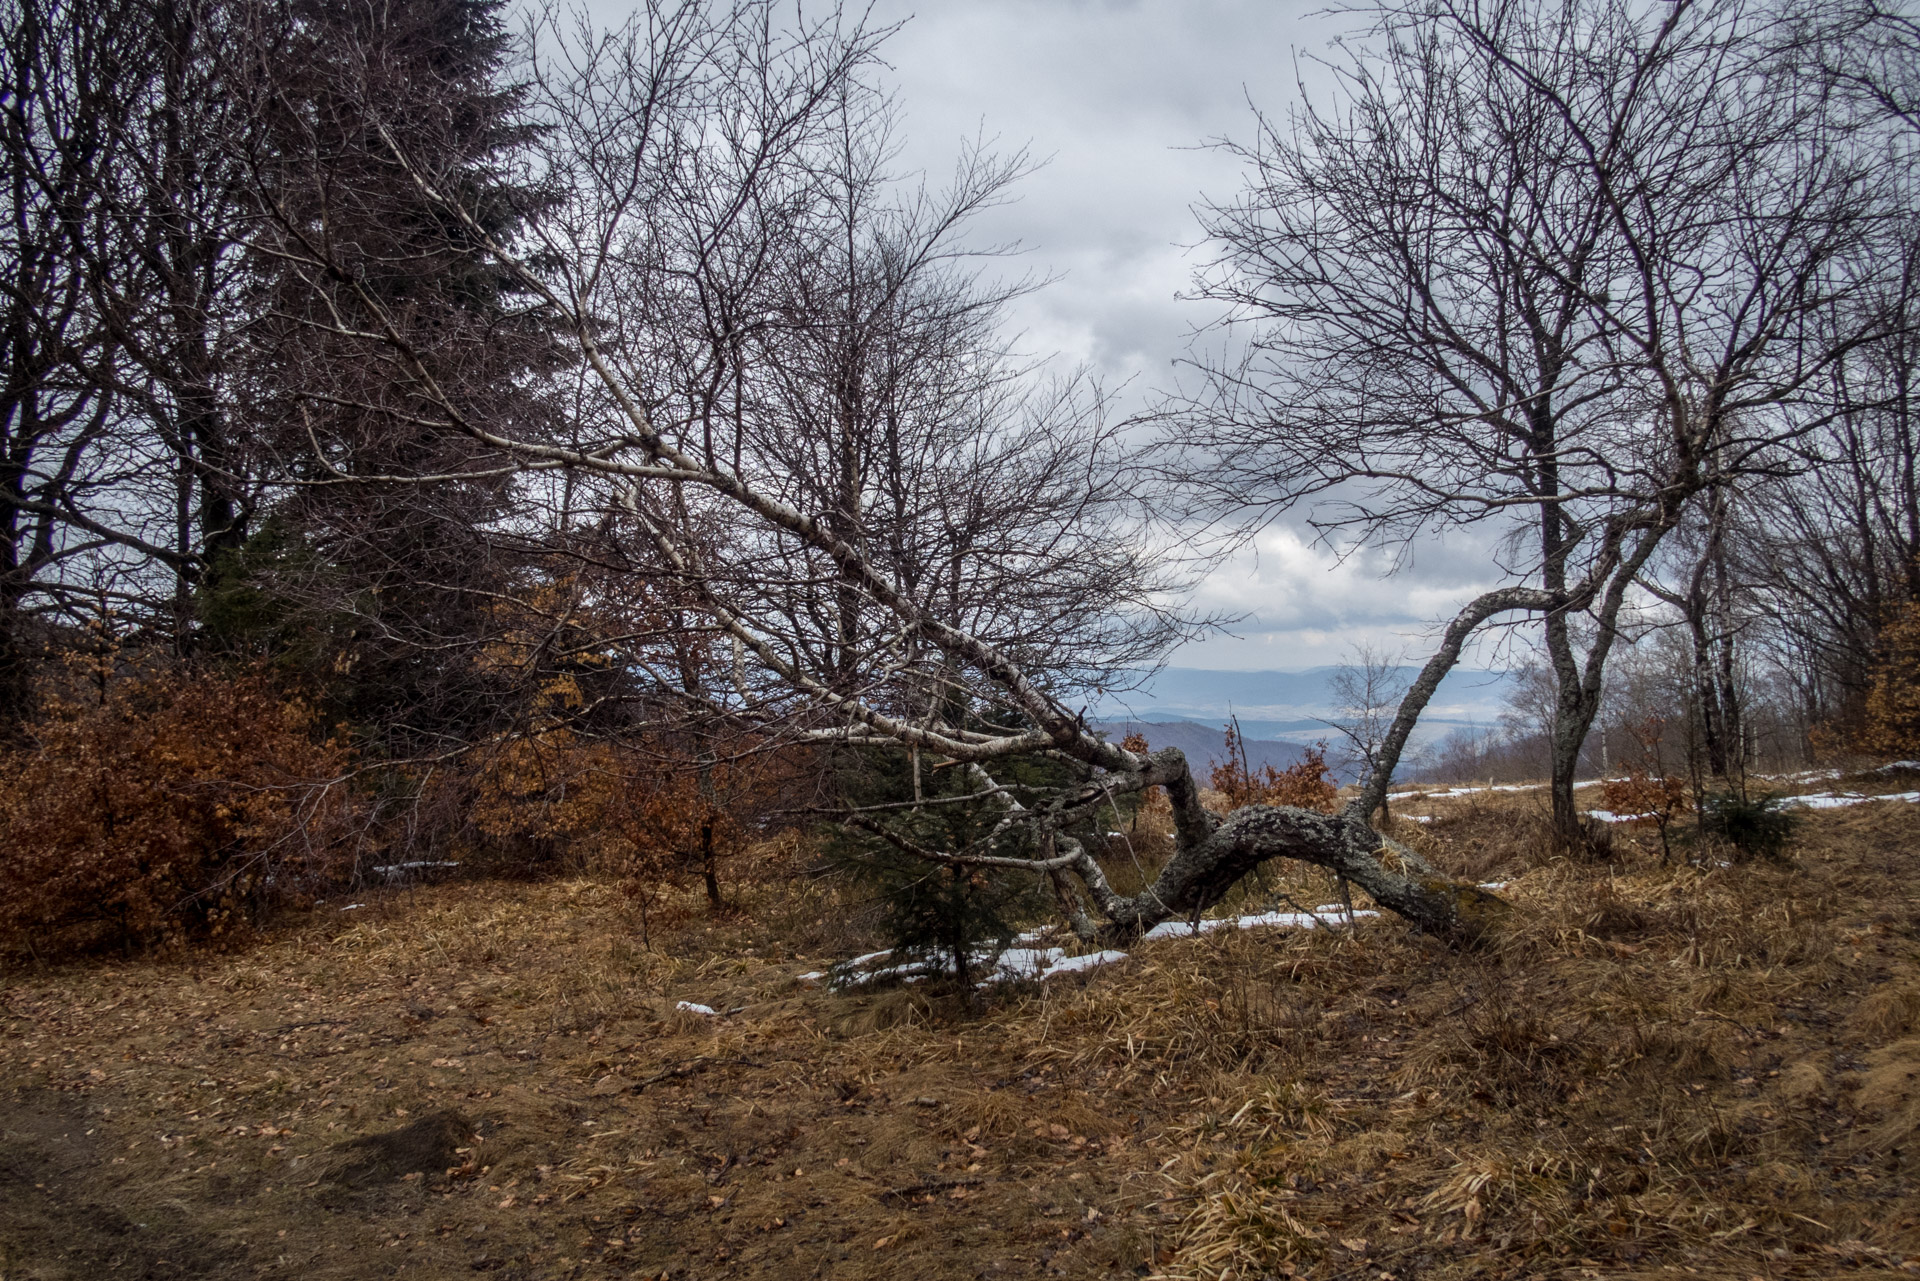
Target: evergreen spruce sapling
x: 949, y: 915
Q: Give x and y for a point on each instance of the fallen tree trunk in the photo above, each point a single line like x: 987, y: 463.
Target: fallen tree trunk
x: 1212, y: 855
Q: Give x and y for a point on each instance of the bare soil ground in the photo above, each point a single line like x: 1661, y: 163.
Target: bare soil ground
x: 1662, y: 1072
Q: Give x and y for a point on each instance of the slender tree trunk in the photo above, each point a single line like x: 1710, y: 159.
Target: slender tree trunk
x: 1580, y: 681
x: 1732, y: 722
x: 1572, y: 717
x: 1713, y: 737
x: 957, y: 941
x: 1572, y: 723
x: 708, y: 869
x: 15, y: 674
x: 1564, y: 741
x: 16, y: 668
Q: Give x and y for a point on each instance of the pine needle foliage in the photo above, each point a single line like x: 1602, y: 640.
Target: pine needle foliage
x: 949, y: 913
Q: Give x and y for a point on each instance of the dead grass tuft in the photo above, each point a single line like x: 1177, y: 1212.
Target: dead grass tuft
x: 1889, y: 1011
x: 1888, y: 1093
x: 1539, y: 1180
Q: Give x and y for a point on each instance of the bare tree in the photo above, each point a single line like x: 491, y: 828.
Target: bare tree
x: 127, y: 131
x: 1706, y: 596
x: 113, y: 142
x: 1827, y: 550
x: 993, y: 562
x: 165, y: 203
x: 51, y: 413
x: 1367, y: 691
x: 1541, y: 273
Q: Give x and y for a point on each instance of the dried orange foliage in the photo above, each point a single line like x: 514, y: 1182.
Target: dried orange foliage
x: 1649, y: 795
x: 648, y: 806
x: 650, y: 809
x: 156, y: 807
x: 1304, y: 783
x: 606, y: 805
x: 1644, y: 798
x: 1892, y: 720
x: 1155, y: 800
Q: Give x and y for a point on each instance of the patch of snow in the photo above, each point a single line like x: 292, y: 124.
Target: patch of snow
x: 1811, y: 801
x: 1013, y: 965
x: 1038, y: 964
x: 1608, y: 816
x: 1471, y: 790
x: 1494, y: 886
x: 1418, y: 818
x: 394, y: 869
x: 1892, y: 766
x: 1187, y: 929
x: 1257, y: 920
x: 693, y: 1007
x: 863, y: 971
x: 907, y: 972
x: 1332, y: 915
x: 1079, y: 964
x: 351, y: 906
x: 1025, y: 962
x: 1839, y: 800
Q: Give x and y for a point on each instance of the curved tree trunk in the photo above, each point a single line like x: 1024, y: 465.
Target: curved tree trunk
x: 1213, y: 855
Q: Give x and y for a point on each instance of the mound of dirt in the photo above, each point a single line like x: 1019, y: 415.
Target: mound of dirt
x: 428, y: 1146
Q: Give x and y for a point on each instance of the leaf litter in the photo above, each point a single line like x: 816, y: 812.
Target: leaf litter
x: 1685, y: 1071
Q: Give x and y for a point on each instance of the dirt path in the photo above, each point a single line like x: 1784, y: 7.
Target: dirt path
x: 375, y: 1104
x: 65, y: 1212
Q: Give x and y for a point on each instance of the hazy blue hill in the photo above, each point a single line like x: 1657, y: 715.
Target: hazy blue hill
x: 1205, y: 745
x: 1290, y: 705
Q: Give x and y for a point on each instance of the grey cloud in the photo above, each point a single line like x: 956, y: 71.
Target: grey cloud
x: 1120, y: 97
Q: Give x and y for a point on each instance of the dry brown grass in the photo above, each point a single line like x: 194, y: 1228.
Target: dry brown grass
x: 1661, y: 1071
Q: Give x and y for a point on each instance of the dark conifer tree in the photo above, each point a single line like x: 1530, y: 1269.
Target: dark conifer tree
x: 392, y: 592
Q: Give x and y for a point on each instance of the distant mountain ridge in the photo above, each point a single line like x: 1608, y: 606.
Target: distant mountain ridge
x: 1204, y: 745
x: 1291, y: 706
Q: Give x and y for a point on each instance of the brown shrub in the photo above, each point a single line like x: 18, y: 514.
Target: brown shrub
x: 1304, y: 783
x: 648, y: 811
x: 1891, y: 724
x: 1644, y: 799
x: 161, y: 806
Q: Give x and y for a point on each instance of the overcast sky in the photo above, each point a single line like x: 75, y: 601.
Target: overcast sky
x: 1119, y: 98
